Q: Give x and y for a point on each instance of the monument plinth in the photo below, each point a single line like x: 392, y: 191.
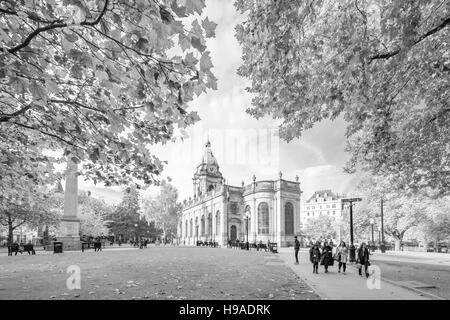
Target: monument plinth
x: 70, y: 223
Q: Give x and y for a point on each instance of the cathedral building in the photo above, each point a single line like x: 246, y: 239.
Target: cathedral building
x: 266, y: 210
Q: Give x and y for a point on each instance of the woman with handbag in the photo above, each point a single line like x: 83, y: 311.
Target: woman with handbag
x: 363, y: 259
x: 342, y: 256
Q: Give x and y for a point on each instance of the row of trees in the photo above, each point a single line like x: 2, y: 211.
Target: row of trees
x: 97, y: 82
x: 154, y: 216
x: 416, y: 217
x: 384, y: 67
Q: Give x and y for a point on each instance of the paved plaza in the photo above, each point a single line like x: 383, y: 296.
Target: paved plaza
x: 178, y: 273
x: 152, y: 273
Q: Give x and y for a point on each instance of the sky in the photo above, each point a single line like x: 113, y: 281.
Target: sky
x: 242, y: 145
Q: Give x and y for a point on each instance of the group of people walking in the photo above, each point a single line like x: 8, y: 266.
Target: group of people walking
x: 324, y: 256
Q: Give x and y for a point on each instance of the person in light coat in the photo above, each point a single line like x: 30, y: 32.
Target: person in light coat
x: 342, y: 256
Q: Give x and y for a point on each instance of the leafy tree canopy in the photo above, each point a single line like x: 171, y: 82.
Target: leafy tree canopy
x: 163, y: 209
x: 382, y: 65
x: 127, y: 214
x: 93, y: 215
x: 102, y: 79
x: 401, y: 212
x: 323, y: 227
x: 33, y: 206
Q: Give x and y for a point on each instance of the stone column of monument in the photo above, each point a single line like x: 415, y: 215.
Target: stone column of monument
x: 70, y: 223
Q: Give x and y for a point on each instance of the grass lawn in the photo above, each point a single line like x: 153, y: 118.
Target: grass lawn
x: 152, y: 273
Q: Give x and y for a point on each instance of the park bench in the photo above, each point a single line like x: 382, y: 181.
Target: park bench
x: 97, y: 246
x: 85, y: 245
x: 273, y: 247
x: 29, y: 248
x: 14, y: 248
x: 261, y: 246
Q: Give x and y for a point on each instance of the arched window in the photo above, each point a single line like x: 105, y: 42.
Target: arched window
x: 288, y: 219
x: 186, y: 229
x: 233, y: 233
x: 217, y: 223
x: 263, y: 218
x: 196, y: 226
x: 192, y: 229
x: 203, y: 226
x: 211, y: 187
x: 209, y: 224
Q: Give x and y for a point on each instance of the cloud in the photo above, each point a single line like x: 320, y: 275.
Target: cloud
x: 317, y: 157
x: 324, y: 177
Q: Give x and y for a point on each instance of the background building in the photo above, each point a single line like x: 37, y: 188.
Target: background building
x: 264, y: 210
x: 322, y: 203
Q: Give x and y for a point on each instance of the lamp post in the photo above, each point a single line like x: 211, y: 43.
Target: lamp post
x: 379, y: 235
x: 352, y: 246
x: 382, y: 247
x: 136, y: 232
x: 247, y: 218
x: 371, y: 221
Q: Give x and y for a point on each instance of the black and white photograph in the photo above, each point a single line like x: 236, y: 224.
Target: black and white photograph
x: 225, y: 156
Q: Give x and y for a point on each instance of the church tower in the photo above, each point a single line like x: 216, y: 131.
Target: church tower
x: 207, y: 177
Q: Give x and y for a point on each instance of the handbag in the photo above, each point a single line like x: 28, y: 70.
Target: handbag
x: 337, y: 256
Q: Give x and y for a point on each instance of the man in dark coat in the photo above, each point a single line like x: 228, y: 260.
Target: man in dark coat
x: 296, y: 248
x: 314, y: 257
x: 327, y: 257
x: 363, y: 259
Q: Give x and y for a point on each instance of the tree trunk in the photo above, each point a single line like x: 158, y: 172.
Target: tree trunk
x: 10, y: 231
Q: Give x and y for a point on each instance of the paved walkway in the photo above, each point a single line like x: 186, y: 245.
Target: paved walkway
x: 437, y: 259
x: 349, y: 286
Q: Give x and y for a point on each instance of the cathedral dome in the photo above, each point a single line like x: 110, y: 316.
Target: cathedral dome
x: 208, y: 157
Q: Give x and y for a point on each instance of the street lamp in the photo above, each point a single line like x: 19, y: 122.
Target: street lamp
x: 136, y: 231
x: 372, y: 221
x: 379, y: 235
x: 352, y: 246
x: 247, y: 218
x: 382, y: 247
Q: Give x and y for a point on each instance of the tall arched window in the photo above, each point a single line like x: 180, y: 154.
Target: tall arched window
x: 263, y: 218
x: 209, y: 224
x: 288, y: 219
x: 192, y: 229
x: 203, y: 226
x: 186, y: 229
x: 196, y: 227
x: 217, y: 223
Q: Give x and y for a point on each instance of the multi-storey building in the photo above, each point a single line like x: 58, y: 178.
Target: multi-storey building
x: 322, y: 203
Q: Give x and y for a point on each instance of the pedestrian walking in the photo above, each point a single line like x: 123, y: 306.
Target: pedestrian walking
x: 327, y: 256
x: 342, y: 256
x: 314, y: 257
x: 363, y: 259
x: 296, y: 248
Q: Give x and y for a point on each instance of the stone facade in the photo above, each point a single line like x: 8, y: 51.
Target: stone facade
x: 263, y: 210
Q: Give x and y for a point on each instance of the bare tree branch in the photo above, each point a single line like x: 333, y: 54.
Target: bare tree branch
x: 54, y: 25
x: 390, y: 54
